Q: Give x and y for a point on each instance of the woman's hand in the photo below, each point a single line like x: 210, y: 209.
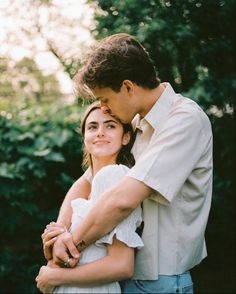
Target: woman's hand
x: 45, y: 279
x: 65, y: 252
x: 49, y: 237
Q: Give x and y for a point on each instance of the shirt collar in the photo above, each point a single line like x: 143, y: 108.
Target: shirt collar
x: 159, y: 110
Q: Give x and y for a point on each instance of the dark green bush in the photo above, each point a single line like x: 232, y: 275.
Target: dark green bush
x: 40, y: 157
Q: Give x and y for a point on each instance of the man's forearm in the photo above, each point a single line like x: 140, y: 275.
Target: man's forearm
x: 98, y: 222
x: 109, y: 210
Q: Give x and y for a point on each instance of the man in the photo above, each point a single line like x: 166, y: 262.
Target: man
x: 172, y: 175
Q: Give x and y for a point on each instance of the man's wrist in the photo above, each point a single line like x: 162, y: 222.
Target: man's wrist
x: 81, y: 245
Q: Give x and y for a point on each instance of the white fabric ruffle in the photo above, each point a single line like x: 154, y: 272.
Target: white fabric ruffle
x: 125, y: 231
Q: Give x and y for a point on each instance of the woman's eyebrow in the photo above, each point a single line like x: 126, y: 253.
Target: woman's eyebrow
x: 92, y: 123
x: 105, y: 122
x: 111, y: 120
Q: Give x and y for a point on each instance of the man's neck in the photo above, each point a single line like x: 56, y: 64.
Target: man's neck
x: 149, y: 98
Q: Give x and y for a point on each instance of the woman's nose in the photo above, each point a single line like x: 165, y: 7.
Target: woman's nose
x: 100, y: 132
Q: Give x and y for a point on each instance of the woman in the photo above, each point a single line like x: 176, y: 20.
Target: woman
x: 107, y: 152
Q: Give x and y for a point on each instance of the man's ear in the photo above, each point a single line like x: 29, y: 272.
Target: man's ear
x: 129, y: 86
x: 126, y: 138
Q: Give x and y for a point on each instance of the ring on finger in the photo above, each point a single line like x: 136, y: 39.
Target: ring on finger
x: 67, y: 263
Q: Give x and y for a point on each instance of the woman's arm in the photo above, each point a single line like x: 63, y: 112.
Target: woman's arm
x: 117, y: 265
x: 80, y: 189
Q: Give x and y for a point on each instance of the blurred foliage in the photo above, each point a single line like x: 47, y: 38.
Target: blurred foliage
x: 58, y: 28
x: 23, y: 82
x: 40, y: 157
x: 192, y: 44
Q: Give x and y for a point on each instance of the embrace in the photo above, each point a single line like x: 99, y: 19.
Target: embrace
x: 135, y: 221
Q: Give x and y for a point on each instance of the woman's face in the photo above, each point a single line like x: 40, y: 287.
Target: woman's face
x: 104, y: 136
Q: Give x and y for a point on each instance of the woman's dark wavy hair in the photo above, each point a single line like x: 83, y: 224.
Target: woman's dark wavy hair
x: 124, y: 156
x: 116, y: 58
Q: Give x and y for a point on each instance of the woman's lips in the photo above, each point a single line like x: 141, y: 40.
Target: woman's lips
x: 100, y: 142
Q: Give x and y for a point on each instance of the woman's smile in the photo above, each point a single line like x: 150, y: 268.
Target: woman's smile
x: 101, y: 142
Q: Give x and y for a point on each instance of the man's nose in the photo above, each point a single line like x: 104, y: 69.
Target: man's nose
x: 104, y: 108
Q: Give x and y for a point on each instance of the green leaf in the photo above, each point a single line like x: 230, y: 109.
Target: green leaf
x: 55, y: 156
x: 41, y: 143
x: 27, y: 135
x: 7, y: 170
x: 42, y: 153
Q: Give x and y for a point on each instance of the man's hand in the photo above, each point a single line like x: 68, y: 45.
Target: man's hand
x: 49, y: 237
x: 65, y: 252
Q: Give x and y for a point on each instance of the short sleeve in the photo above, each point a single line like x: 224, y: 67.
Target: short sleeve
x: 126, y: 231
x: 88, y: 175
x: 172, y: 153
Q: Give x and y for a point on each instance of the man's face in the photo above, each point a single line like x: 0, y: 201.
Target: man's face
x: 121, y: 103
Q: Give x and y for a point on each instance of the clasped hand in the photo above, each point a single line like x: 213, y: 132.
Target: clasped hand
x: 58, y: 245
x: 65, y: 252
x: 59, y: 250
x: 44, y: 279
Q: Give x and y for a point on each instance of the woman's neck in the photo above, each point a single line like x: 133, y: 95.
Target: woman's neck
x: 100, y: 163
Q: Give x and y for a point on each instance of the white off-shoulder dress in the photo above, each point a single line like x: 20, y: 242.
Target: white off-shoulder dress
x: 125, y: 231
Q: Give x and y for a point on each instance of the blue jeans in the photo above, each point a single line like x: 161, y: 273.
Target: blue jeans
x: 165, y: 284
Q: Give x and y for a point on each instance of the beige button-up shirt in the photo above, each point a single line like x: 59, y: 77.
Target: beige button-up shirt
x: 173, y: 153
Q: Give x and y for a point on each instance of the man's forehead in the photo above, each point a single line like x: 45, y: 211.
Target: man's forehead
x: 100, y: 92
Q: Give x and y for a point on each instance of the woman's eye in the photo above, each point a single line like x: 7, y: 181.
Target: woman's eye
x: 111, y: 126
x: 92, y: 127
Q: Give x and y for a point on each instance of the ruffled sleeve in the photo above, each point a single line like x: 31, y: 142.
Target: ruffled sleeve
x: 80, y: 208
x: 88, y: 175
x: 125, y: 231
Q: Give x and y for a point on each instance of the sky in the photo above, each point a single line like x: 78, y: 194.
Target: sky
x: 70, y: 40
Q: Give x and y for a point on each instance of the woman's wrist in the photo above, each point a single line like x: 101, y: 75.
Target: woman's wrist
x: 56, y: 276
